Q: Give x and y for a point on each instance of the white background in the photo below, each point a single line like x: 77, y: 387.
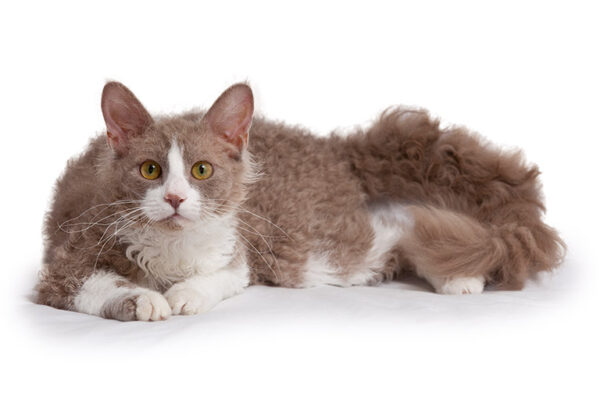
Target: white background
x: 522, y: 73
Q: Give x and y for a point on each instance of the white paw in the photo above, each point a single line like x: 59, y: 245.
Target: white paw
x: 187, y: 301
x: 462, y: 286
x: 151, y: 306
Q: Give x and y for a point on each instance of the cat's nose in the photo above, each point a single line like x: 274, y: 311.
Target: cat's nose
x: 174, y: 200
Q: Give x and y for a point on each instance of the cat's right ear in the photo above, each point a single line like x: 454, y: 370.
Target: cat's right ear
x: 124, y: 114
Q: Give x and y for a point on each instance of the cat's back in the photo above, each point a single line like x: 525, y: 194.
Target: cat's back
x: 296, y: 163
x: 277, y: 143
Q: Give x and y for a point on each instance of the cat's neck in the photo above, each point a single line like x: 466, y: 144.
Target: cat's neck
x: 166, y: 256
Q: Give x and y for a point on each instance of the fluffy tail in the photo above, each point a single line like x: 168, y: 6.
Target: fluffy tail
x: 446, y: 244
x: 478, y: 210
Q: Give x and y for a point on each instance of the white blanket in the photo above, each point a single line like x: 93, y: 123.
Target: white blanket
x: 354, y: 343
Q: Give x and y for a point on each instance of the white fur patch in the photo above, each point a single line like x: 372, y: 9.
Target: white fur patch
x: 169, y: 256
x: 176, y: 183
x: 96, y: 290
x: 389, y: 223
x: 319, y: 271
x: 458, y: 286
x: 151, y: 306
x: 202, y: 292
x: 101, y: 288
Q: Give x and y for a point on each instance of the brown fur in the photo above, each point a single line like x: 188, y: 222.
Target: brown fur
x: 79, y: 225
x: 122, y: 309
x: 311, y: 197
x: 477, y: 210
x: 486, y: 215
x: 480, y: 208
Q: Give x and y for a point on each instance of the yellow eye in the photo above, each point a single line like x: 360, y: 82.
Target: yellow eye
x: 202, y: 170
x: 150, y: 170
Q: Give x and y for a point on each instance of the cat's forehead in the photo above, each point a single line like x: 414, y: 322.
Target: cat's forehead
x: 187, y: 131
x: 180, y: 129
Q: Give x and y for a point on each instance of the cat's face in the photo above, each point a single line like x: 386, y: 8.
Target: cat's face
x: 184, y: 169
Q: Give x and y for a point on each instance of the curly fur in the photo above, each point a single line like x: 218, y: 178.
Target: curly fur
x: 476, y: 210
x: 403, y: 195
x: 483, y: 207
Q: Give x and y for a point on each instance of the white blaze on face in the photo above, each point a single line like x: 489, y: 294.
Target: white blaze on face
x: 176, y: 183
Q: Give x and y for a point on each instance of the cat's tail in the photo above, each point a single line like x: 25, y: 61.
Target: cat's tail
x: 444, y: 244
x: 478, y: 210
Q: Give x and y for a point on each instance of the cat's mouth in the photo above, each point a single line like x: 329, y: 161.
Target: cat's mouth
x: 175, y: 217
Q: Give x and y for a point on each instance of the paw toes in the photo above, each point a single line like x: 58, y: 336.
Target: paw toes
x: 177, y: 306
x: 184, y: 301
x: 152, y: 306
x: 464, y: 286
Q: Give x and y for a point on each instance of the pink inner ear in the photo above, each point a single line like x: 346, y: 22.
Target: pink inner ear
x: 239, y: 129
x: 124, y: 115
x: 231, y: 115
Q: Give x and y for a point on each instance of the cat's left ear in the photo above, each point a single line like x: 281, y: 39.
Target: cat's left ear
x: 230, y: 116
x: 124, y: 114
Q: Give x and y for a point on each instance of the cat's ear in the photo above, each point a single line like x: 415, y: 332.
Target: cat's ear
x: 124, y: 114
x: 231, y: 115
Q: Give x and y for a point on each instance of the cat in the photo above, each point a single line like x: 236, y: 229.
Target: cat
x: 169, y: 215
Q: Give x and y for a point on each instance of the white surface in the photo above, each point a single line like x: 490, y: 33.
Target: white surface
x: 357, y: 343
x: 522, y: 73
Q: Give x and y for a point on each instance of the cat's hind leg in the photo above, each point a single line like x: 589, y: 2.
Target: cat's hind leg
x: 403, y: 225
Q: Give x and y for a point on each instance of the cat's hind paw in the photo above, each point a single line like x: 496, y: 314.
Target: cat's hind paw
x: 461, y: 286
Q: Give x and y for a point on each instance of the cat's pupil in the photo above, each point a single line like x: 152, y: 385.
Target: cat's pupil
x: 201, y: 169
x: 151, y: 168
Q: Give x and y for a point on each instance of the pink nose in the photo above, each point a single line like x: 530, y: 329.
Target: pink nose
x: 174, y: 200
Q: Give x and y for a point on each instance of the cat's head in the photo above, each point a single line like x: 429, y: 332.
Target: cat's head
x: 180, y: 169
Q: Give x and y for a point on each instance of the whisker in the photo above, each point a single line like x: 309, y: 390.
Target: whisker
x: 92, y: 224
x: 261, y: 256
x: 128, y: 224
x: 119, y: 220
x: 239, y: 208
x: 107, y: 205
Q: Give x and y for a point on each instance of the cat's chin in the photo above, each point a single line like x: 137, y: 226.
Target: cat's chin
x: 174, y: 222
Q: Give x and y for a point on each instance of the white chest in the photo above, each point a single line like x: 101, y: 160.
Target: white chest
x: 167, y: 257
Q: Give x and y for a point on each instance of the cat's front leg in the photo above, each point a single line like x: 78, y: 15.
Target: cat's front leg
x: 201, y: 293
x: 101, y: 292
x: 109, y: 295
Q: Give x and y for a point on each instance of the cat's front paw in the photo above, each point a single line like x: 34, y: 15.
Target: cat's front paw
x: 151, y: 306
x: 144, y: 305
x: 186, y: 301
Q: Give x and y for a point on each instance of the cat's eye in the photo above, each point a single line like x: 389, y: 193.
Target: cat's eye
x: 150, y: 170
x: 202, y: 170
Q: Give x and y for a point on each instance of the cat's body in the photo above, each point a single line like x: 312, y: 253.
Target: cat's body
x: 288, y: 208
